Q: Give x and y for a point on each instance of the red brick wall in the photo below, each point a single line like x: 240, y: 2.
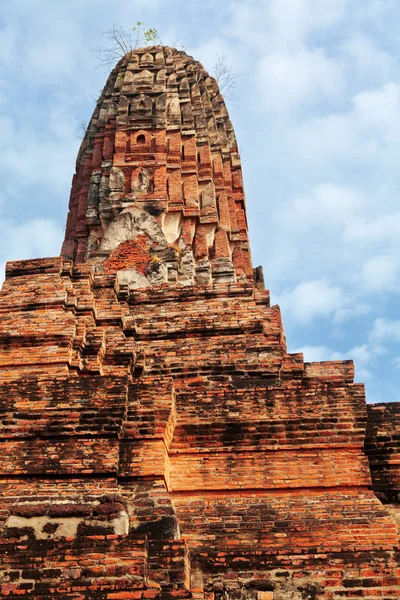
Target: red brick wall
x: 182, y: 406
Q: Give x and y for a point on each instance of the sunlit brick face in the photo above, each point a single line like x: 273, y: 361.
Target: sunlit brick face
x: 160, y: 148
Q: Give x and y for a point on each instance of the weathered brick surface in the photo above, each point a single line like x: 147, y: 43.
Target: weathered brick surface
x: 285, y: 520
x: 382, y: 445
x: 97, y: 567
x: 157, y: 440
x: 74, y: 405
x: 257, y: 456
x: 161, y: 149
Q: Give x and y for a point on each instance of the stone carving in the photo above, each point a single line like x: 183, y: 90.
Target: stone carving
x: 117, y: 179
x: 129, y: 224
x: 143, y: 79
x: 141, y: 107
x: 130, y: 279
x: 140, y: 180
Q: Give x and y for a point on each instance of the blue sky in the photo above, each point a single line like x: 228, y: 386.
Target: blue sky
x: 317, y: 117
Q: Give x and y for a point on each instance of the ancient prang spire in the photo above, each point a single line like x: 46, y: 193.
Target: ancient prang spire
x: 158, y: 187
x: 158, y: 442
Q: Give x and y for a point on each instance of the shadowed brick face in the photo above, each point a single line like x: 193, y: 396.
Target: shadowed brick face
x: 157, y: 440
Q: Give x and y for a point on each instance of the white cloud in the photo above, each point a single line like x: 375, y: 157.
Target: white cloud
x: 311, y: 299
x: 354, y: 311
x: 306, y: 77
x: 311, y: 230
x: 368, y: 133
x: 385, y: 330
x: 370, y: 60
x: 375, y: 109
x: 282, y: 24
x: 361, y: 354
x: 301, y: 16
x: 380, y: 273
x: 327, y: 203
x: 376, y: 228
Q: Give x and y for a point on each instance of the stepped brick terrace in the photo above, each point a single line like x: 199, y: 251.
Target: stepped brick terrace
x: 157, y: 439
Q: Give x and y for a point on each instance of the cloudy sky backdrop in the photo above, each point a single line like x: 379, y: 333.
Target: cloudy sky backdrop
x: 317, y: 117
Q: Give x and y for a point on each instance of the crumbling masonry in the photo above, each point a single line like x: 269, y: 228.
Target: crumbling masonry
x: 157, y: 440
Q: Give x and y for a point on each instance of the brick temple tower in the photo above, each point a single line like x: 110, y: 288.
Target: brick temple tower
x: 157, y: 440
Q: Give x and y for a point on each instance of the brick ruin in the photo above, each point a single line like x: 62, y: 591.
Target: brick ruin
x: 157, y: 440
